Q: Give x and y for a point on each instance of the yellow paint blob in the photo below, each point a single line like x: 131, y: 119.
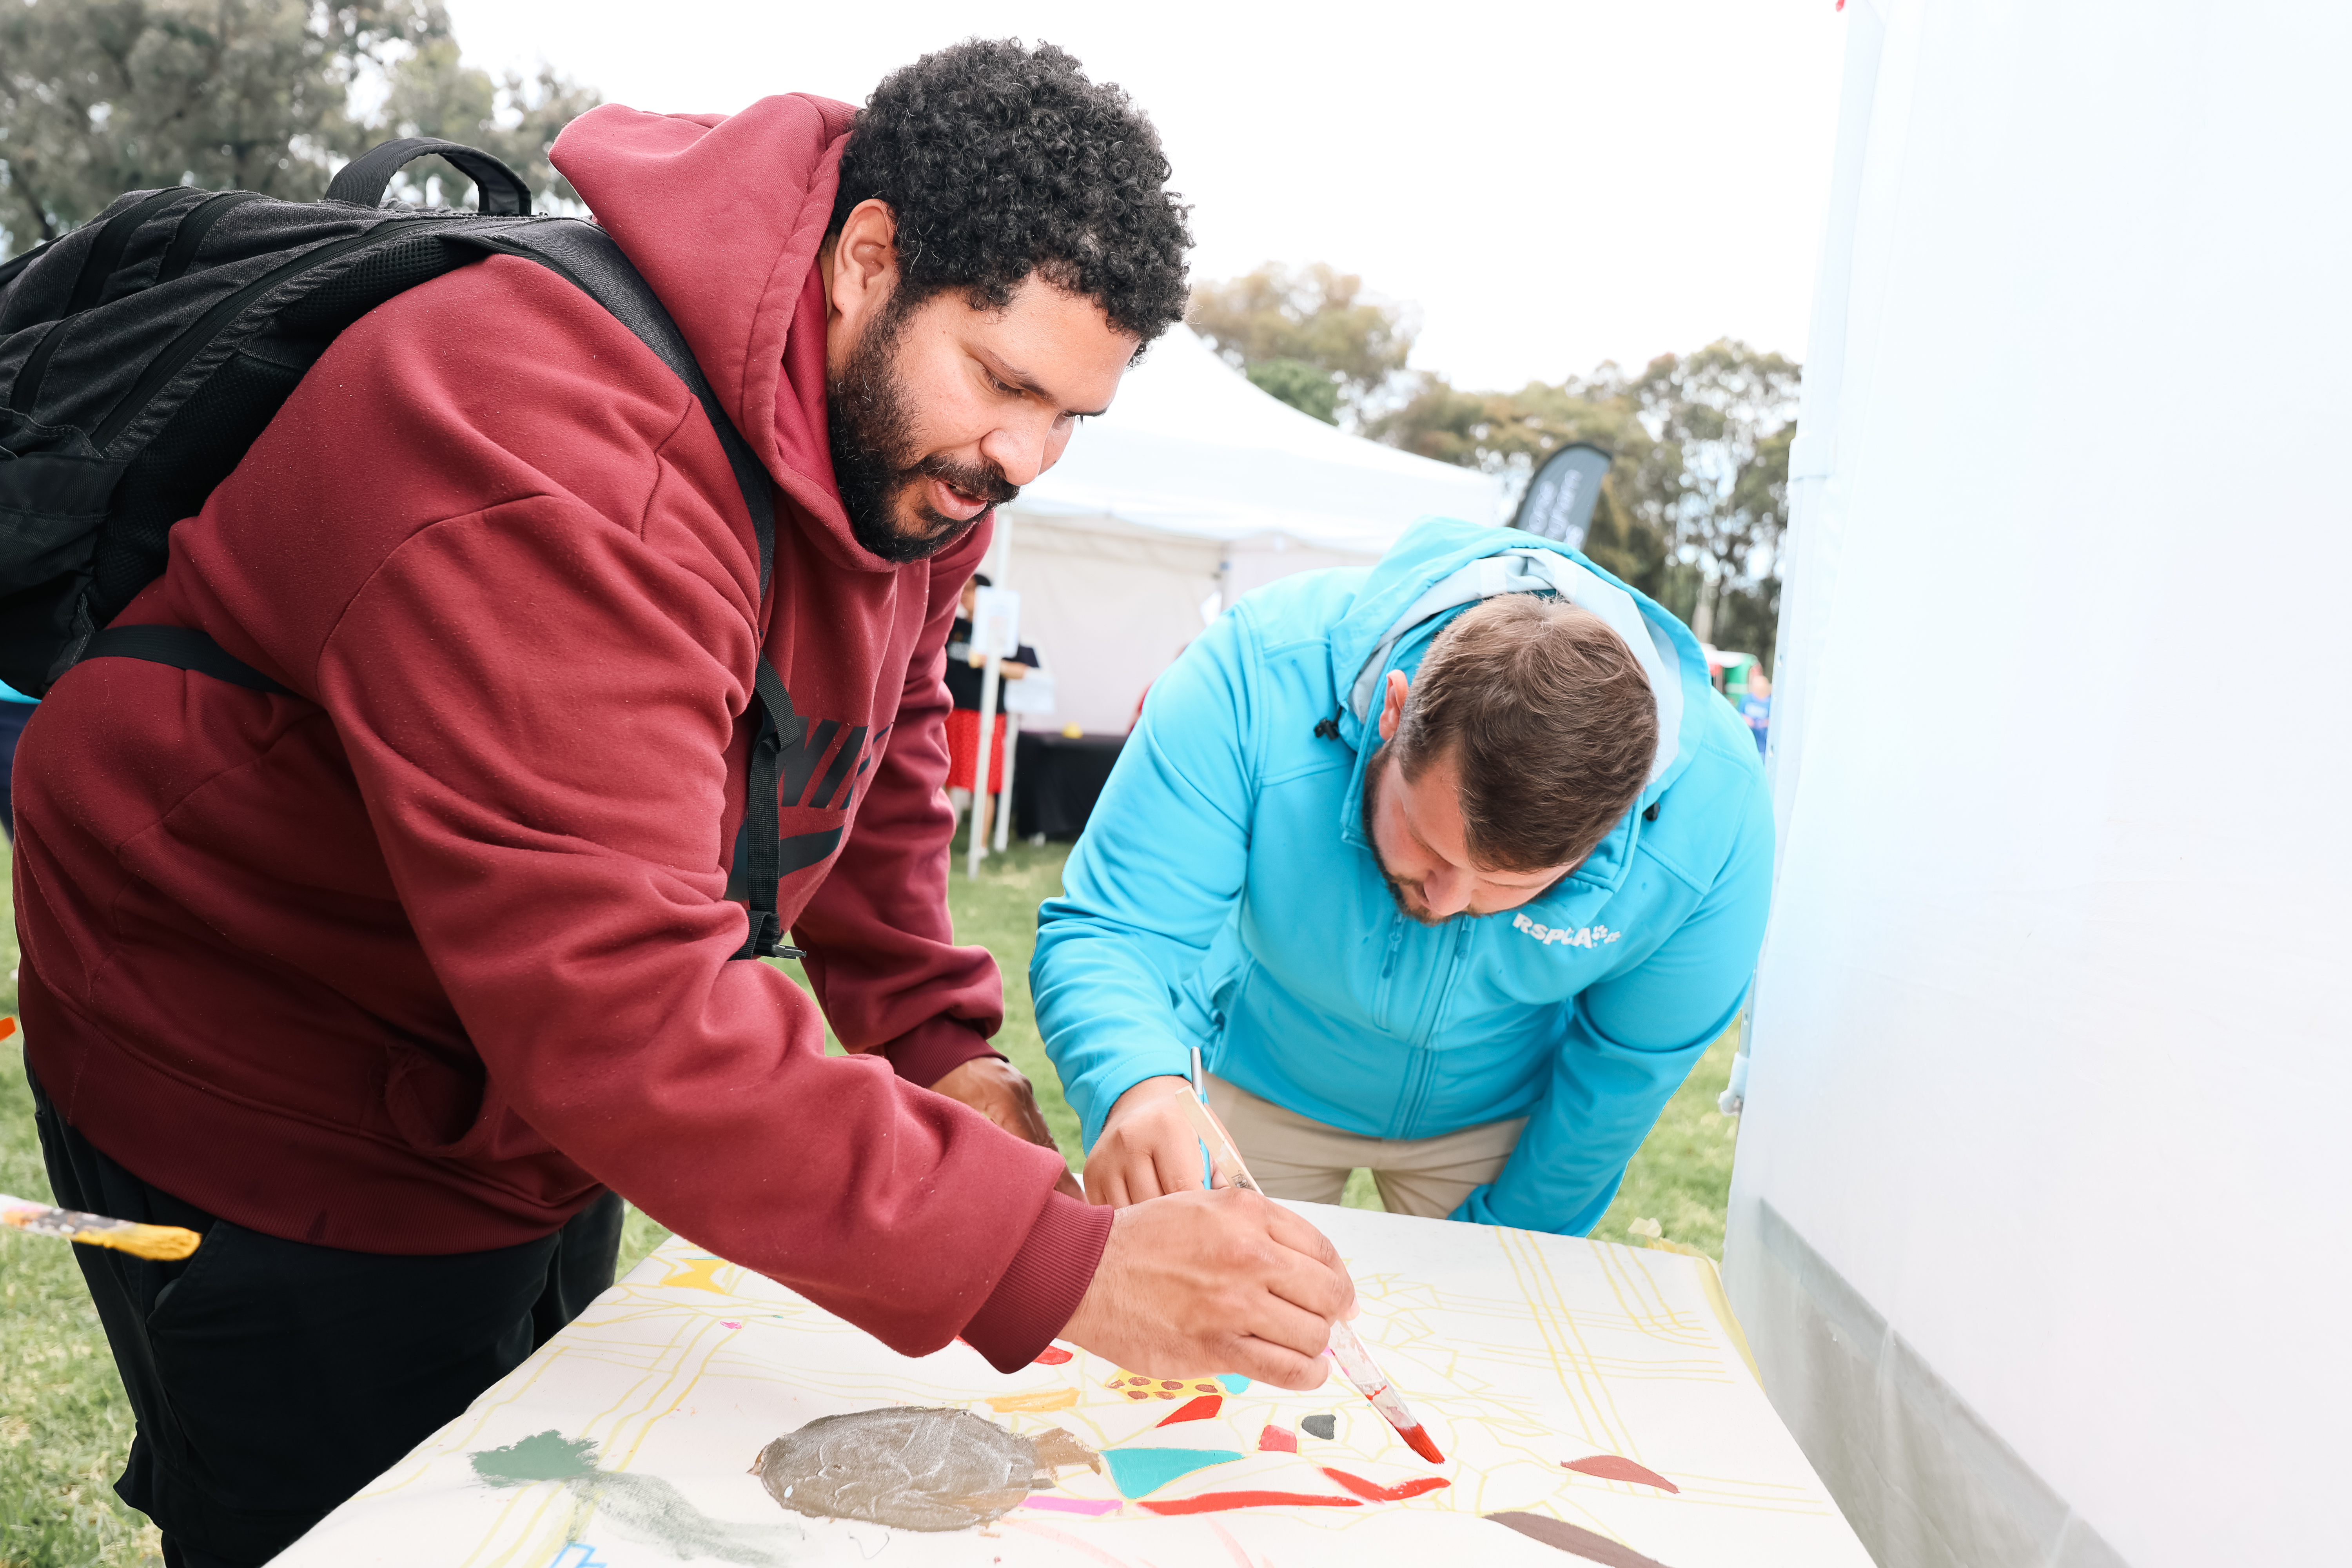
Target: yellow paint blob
x: 1043, y: 1399
x: 694, y: 1274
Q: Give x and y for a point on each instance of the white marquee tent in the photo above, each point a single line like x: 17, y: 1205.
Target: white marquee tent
x: 2036, y: 1225
x: 1194, y: 488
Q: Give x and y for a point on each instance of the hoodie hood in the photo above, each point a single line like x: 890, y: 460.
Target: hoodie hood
x: 724, y: 214
x: 1440, y: 568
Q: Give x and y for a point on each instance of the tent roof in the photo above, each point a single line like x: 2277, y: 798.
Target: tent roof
x: 1191, y: 448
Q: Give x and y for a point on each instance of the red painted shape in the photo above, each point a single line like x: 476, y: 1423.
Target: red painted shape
x: 1613, y: 1468
x: 1199, y: 1409
x: 1372, y: 1492
x: 1052, y: 1356
x: 1218, y: 1502
x: 1278, y: 1440
x: 7, y: 1027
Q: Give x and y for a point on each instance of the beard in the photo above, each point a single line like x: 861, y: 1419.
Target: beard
x: 1408, y: 901
x: 869, y: 425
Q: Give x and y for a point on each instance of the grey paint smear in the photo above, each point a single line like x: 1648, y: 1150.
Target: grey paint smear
x: 912, y: 1467
x: 645, y: 1509
x: 1321, y: 1426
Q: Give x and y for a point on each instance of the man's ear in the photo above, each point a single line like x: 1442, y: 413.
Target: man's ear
x: 1393, y: 704
x: 861, y: 268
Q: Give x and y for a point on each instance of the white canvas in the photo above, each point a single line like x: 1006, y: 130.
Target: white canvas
x: 1522, y: 1354
x: 2049, y: 1028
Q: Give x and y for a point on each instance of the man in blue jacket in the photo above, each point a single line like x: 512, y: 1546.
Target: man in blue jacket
x: 1450, y: 868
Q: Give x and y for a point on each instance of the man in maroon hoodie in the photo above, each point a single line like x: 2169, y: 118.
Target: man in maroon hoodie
x: 390, y: 985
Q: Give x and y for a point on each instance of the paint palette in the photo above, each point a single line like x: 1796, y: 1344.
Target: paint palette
x: 1592, y: 1401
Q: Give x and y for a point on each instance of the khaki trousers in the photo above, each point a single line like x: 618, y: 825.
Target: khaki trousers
x: 1292, y: 1157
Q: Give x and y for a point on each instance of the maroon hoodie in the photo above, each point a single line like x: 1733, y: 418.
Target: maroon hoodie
x: 417, y: 960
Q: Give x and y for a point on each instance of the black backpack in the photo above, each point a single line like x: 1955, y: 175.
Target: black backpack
x: 143, y: 353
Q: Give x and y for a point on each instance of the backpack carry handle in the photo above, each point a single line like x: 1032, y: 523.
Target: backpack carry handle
x: 364, y: 180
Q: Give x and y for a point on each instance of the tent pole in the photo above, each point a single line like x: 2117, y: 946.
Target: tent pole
x: 1012, y: 730
x: 980, y: 795
x: 1004, y: 805
x: 1001, y: 548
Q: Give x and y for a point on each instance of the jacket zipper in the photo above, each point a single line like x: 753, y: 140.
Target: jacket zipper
x: 1388, y: 972
x: 1424, y: 1068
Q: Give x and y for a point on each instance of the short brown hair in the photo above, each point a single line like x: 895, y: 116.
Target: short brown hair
x: 1552, y: 721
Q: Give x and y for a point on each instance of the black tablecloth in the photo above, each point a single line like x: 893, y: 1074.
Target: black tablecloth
x: 1056, y: 779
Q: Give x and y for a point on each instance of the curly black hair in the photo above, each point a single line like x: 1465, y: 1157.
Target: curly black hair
x: 998, y: 161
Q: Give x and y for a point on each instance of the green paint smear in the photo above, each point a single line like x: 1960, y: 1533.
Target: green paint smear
x: 545, y: 1457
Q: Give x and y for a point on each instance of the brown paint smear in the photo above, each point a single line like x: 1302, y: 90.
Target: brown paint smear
x: 1575, y: 1540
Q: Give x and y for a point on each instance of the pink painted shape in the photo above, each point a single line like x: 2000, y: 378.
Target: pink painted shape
x: 1278, y: 1440
x: 1086, y: 1505
x: 1218, y: 1502
x: 1616, y: 1468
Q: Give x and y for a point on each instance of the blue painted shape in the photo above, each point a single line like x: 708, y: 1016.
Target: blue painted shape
x: 578, y: 1554
x: 1137, y: 1471
x: 1234, y: 1381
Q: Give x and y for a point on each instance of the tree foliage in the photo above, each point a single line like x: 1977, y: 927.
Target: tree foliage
x: 1286, y: 328
x: 1692, y: 512
x: 1309, y: 388
x: 99, y: 97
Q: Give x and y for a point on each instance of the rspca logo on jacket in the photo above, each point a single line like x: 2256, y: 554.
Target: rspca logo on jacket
x: 1582, y: 936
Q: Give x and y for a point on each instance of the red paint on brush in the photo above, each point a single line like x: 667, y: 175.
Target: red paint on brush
x: 1616, y: 1468
x: 1218, y: 1502
x: 1199, y: 1409
x: 1418, y: 1435
x: 1052, y: 1356
x: 1278, y: 1440
x: 1373, y: 1492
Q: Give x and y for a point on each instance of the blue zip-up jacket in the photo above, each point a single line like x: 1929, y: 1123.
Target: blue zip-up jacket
x: 1224, y: 894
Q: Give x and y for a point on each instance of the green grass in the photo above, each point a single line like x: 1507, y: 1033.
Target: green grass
x: 1681, y: 1176
x: 65, y: 1426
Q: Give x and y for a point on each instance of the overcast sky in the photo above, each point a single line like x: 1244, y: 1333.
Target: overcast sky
x: 1550, y: 184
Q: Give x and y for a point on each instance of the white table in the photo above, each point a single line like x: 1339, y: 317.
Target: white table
x: 1597, y: 1394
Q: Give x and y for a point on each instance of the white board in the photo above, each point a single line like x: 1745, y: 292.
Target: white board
x: 1522, y: 1354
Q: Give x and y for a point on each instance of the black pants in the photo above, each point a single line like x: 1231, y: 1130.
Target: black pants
x: 272, y: 1379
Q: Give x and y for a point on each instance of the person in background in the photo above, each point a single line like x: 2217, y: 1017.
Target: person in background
x: 15, y: 708
x: 966, y: 672
x: 1756, y: 705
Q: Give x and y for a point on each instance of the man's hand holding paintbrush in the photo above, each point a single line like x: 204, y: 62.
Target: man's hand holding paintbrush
x: 1225, y: 1281
x: 1355, y: 1363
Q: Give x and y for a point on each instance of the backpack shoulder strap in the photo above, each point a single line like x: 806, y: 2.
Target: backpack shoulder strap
x: 182, y: 648
x: 588, y: 257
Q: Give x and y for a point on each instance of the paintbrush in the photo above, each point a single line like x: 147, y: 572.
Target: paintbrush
x: 1346, y: 1349
x: 164, y: 1242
